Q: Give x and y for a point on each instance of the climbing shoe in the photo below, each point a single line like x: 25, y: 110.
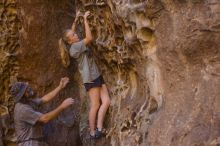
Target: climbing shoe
x: 92, y: 137
x: 98, y: 134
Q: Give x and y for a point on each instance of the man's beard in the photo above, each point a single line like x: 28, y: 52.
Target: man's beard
x: 33, y: 103
x: 28, y: 100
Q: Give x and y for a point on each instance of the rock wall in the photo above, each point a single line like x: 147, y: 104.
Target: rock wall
x: 160, y: 61
x: 187, y: 37
x: 37, y: 62
x: 126, y: 49
x: 9, y: 26
x: 42, y: 23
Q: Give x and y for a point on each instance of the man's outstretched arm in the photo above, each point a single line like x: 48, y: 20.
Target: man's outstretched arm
x: 48, y: 97
x: 45, y: 118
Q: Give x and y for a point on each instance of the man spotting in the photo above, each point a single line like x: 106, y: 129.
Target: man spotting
x: 28, y: 120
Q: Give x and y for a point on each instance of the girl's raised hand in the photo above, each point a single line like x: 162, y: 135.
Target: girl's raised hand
x: 78, y: 13
x: 87, y: 13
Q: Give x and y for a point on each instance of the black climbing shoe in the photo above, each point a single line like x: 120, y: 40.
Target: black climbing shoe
x: 92, y: 137
x: 98, y: 134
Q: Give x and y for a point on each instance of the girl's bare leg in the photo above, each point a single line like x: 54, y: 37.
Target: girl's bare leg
x: 104, y: 106
x: 94, y: 94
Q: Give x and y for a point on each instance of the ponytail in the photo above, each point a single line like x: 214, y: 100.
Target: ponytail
x: 64, y: 53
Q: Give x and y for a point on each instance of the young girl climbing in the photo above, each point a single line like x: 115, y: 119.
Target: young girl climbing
x: 93, y: 81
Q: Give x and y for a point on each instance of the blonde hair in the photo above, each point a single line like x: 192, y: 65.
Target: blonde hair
x: 64, y: 53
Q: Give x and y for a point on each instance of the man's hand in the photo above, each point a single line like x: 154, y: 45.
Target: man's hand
x: 45, y: 118
x: 49, y: 96
x: 87, y: 13
x: 63, y: 82
x: 67, y: 102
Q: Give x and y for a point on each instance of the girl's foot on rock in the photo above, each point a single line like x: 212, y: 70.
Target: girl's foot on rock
x: 98, y: 133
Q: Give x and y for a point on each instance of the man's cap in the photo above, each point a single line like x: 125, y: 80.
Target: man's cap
x: 18, y: 89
